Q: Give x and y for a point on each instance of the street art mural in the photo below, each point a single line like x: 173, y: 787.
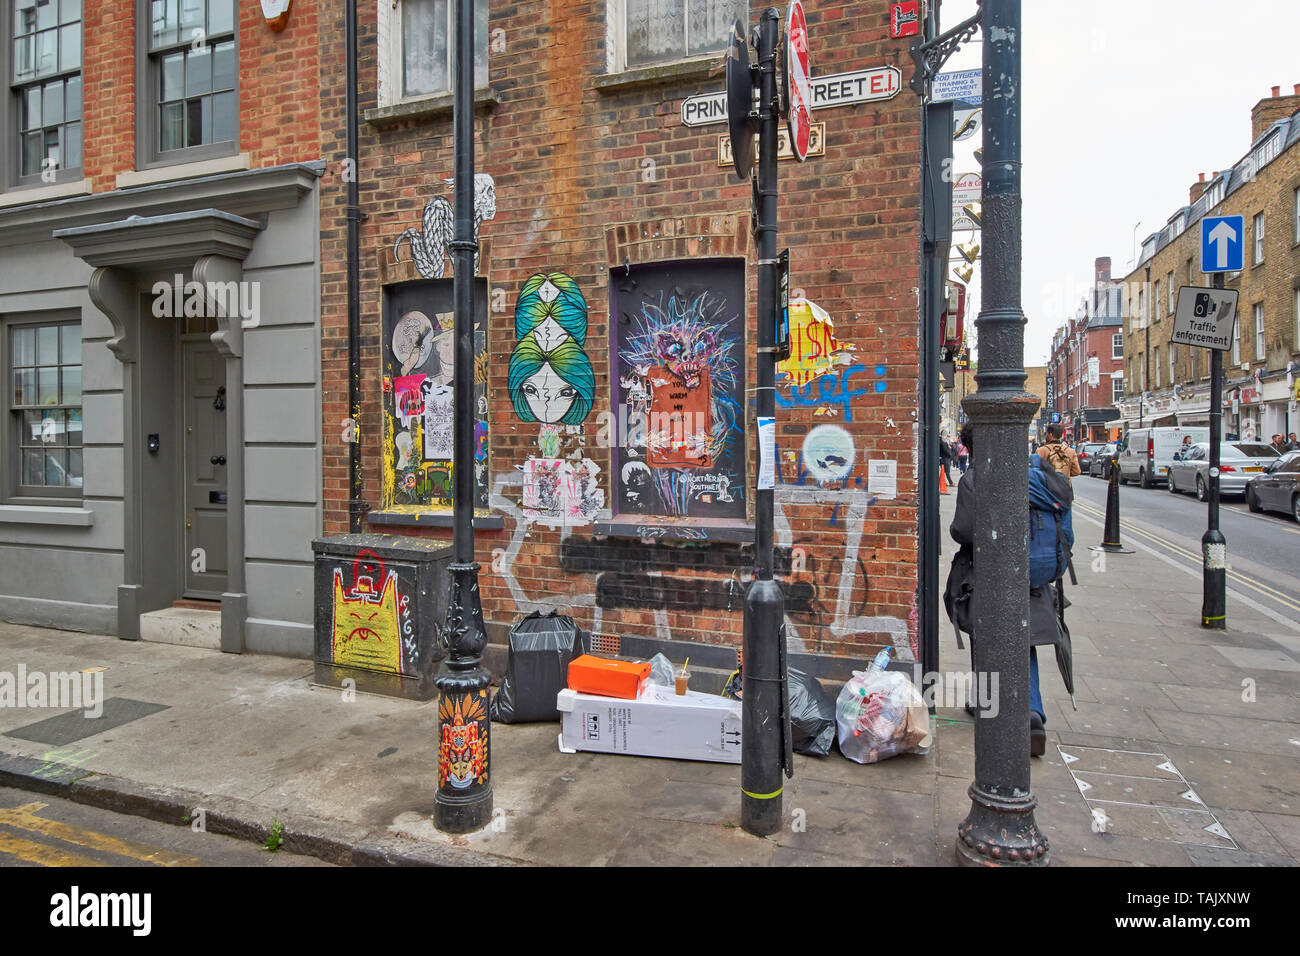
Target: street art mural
x: 550, y: 381
x: 418, y: 371
x: 678, y: 351
x: 814, y: 349
x: 371, y: 618
x: 463, y: 747
x: 431, y: 242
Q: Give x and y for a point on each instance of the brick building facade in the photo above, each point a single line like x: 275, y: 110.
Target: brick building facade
x: 1260, y: 369
x: 1084, y: 401
x: 638, y: 235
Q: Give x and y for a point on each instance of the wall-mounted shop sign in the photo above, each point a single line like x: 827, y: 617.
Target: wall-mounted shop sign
x: 816, y: 144
x: 840, y: 89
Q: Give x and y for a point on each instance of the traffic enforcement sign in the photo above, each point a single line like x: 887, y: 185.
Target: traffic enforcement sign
x: 1205, y: 317
x: 1222, y: 243
x: 740, y: 101
x: 798, y: 82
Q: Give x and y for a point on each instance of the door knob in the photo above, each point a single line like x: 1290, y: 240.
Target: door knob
x: 218, y: 459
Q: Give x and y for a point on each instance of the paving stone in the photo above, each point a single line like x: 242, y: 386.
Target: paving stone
x: 1107, y: 719
x: 1282, y: 827
x: 1235, y: 733
x: 1271, y: 659
x: 1228, y: 702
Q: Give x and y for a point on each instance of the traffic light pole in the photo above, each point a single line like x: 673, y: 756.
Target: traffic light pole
x: 1214, y: 546
x: 762, y: 741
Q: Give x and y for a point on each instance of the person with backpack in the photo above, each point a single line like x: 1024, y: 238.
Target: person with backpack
x: 1063, y: 458
x: 1051, y: 539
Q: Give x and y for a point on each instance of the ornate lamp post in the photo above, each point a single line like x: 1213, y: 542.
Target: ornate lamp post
x: 1000, y: 828
x: 464, y: 799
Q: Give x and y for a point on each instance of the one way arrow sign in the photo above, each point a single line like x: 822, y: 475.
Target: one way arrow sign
x: 1222, y: 243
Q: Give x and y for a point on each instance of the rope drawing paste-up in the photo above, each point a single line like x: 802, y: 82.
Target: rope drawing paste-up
x: 550, y: 381
x: 430, y: 245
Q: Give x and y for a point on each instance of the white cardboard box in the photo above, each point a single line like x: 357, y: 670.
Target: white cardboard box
x: 658, y: 724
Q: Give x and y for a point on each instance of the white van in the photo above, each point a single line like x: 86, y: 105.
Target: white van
x: 1146, y: 453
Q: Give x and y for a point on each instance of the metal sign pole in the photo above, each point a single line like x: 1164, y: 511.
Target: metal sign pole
x: 761, y: 738
x: 1214, y: 546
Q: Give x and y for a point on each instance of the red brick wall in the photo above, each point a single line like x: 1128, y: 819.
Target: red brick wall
x: 279, y: 88
x: 567, y: 162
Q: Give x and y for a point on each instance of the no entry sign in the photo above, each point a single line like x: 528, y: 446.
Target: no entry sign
x: 798, y: 72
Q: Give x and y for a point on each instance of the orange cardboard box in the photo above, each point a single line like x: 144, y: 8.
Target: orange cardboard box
x: 607, y: 678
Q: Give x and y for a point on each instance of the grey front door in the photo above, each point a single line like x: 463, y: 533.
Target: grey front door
x: 203, y: 391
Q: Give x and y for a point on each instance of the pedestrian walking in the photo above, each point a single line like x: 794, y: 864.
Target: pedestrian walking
x: 1063, y: 458
x: 1051, y: 539
x: 945, y: 458
x: 963, y: 456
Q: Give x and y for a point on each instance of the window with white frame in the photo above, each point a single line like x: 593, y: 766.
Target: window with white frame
x: 1116, y: 388
x: 1173, y: 298
x: 1156, y: 363
x: 1117, y: 345
x: 44, y: 409
x: 418, y: 41
x: 1173, y: 363
x: 45, y: 87
x: 662, y: 31
x: 1155, y: 301
x: 1296, y: 208
x: 1259, y: 238
x: 1217, y: 192
x: 1259, y: 331
x: 1236, y: 343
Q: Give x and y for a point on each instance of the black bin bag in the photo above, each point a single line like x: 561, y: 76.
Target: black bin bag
x: 812, y: 715
x: 537, y: 669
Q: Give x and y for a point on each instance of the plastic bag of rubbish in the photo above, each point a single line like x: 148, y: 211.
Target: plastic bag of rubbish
x: 812, y: 715
x: 537, y: 669
x: 880, y: 714
x: 661, y: 671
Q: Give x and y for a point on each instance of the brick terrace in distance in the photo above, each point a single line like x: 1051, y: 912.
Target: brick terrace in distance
x: 597, y: 178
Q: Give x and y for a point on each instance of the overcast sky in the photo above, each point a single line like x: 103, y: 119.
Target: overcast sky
x: 1124, y: 104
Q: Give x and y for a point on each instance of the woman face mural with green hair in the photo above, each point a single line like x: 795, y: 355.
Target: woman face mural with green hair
x: 552, y: 304
x: 551, y: 386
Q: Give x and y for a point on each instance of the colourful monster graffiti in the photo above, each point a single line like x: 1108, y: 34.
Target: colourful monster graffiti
x: 679, y: 351
x: 463, y: 747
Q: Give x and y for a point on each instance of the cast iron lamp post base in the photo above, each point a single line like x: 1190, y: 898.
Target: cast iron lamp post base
x: 1018, y: 840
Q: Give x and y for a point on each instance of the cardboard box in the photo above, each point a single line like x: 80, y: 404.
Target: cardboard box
x: 604, y: 677
x: 693, y: 726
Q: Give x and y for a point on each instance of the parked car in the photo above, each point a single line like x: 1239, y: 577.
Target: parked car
x: 1099, y: 463
x: 1239, y: 461
x: 1277, y: 488
x: 1146, y: 453
x: 1086, y: 451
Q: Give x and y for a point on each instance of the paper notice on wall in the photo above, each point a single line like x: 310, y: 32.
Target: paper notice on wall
x: 766, y: 454
x: 439, y: 430
x: 882, y: 478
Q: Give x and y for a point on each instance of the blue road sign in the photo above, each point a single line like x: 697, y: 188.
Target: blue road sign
x: 1223, y: 240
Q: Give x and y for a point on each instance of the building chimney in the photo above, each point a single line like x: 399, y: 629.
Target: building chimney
x: 1101, y: 270
x: 1198, y: 187
x: 1268, y: 111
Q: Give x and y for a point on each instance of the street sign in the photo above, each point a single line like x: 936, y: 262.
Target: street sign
x: 783, y: 307
x: 839, y: 89
x: 1205, y: 317
x: 1094, y: 372
x: 965, y: 86
x: 1222, y: 243
x: 740, y: 100
x: 798, y: 77
x: 816, y: 144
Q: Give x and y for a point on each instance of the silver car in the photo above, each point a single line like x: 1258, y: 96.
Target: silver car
x: 1239, y: 461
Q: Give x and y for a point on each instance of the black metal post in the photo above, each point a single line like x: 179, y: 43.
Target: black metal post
x: 761, y: 751
x: 356, y: 491
x: 1110, y: 536
x: 1214, y: 546
x: 1000, y: 828
x: 464, y: 799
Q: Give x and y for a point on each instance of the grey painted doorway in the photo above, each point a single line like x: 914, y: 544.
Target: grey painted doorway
x: 203, y: 398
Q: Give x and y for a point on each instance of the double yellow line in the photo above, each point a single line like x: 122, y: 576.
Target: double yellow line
x: 25, y: 819
x: 1194, y: 557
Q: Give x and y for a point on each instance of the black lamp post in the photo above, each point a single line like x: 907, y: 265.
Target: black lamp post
x: 464, y: 799
x: 1000, y: 828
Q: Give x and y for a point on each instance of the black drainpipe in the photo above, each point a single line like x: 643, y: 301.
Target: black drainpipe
x: 355, y: 491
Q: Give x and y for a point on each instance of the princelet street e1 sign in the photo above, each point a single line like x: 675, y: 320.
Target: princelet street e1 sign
x: 840, y: 89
